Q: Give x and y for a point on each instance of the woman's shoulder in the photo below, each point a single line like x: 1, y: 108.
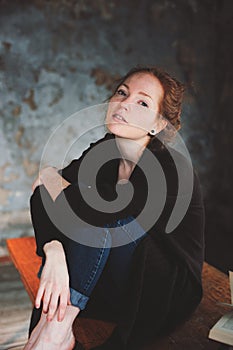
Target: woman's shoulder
x: 171, y: 157
x: 177, y: 169
x: 70, y: 172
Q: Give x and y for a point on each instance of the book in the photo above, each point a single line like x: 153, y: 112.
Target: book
x: 222, y: 331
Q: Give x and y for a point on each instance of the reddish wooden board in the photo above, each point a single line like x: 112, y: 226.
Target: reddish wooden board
x: 89, y: 333
x: 193, y: 335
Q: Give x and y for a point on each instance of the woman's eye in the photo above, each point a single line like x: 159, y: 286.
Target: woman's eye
x: 144, y: 104
x: 121, y: 92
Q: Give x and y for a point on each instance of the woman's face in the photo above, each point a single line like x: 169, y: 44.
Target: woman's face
x: 134, y: 109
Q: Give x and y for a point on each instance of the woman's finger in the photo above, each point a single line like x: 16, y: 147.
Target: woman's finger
x: 62, y: 306
x: 46, y: 299
x: 53, y: 304
x: 68, y: 297
x: 39, y: 296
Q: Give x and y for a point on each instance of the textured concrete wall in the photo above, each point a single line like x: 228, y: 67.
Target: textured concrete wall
x: 57, y: 57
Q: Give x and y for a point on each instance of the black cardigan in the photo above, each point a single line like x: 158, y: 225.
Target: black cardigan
x: 164, y: 286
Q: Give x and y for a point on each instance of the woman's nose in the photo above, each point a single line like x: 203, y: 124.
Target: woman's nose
x: 125, y: 102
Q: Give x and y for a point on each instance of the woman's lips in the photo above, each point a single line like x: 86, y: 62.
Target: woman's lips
x: 117, y: 117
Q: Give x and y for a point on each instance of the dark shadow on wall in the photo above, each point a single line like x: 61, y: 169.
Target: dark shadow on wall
x: 218, y: 201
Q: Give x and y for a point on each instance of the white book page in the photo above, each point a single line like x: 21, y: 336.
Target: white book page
x: 231, y: 284
x: 228, y: 323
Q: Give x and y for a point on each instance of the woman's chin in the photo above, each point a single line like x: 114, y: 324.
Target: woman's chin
x: 118, y: 129
x: 125, y: 131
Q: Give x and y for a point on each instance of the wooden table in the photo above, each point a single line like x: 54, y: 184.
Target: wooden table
x: 193, y: 335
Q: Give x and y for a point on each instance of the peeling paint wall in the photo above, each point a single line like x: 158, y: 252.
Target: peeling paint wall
x: 58, y: 57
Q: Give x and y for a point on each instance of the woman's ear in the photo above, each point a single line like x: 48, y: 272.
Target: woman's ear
x: 160, y: 125
x: 164, y: 123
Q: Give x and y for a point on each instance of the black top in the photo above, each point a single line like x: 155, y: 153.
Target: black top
x: 186, y: 240
x: 163, y: 263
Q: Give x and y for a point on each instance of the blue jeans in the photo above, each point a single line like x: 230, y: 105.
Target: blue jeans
x: 85, y: 263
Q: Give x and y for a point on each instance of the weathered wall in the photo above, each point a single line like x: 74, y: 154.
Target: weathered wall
x: 57, y: 57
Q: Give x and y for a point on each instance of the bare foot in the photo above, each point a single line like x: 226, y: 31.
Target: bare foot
x: 54, y: 335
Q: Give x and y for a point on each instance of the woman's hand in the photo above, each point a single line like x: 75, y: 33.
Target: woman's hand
x: 44, y: 174
x: 36, y: 183
x: 53, y: 182
x: 54, y: 282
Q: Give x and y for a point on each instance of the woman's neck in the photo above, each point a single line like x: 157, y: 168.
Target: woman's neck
x: 129, y: 149
x: 131, y: 152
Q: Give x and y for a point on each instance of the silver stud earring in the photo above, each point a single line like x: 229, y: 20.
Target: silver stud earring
x: 152, y: 132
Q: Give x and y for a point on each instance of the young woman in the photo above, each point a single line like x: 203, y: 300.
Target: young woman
x: 135, y: 274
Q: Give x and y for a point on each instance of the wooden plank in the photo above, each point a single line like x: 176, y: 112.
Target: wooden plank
x: 192, y: 335
x: 89, y: 333
x: 23, y: 255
